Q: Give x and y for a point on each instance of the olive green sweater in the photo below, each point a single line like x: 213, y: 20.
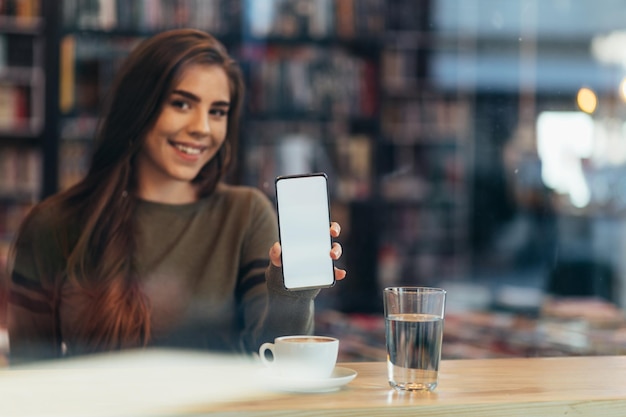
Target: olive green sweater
x: 204, y: 267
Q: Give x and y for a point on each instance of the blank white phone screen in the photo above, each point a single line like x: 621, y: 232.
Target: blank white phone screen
x: 304, y: 228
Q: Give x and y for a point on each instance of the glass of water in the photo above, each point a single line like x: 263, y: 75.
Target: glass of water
x: 414, y: 333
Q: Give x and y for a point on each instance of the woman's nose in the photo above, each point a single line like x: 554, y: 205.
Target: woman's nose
x: 200, y: 124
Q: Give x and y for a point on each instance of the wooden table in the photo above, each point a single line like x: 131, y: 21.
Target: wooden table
x: 183, y: 384
x: 575, y: 386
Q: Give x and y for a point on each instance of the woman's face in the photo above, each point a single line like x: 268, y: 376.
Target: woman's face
x: 187, y: 134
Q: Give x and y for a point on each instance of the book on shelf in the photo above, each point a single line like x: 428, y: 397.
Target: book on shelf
x: 345, y: 19
x: 308, y: 80
x: 22, y: 10
x: 314, y: 19
x: 6, y: 107
x: 354, y: 167
x: 14, y: 107
x: 399, y: 70
x: 27, y: 8
x: 274, y: 148
x: 426, y: 120
x: 107, y: 14
x: 218, y: 16
x: 360, y: 18
x: 67, y: 54
x: 280, y: 148
x: 369, y: 17
x: 20, y: 173
x: 300, y: 19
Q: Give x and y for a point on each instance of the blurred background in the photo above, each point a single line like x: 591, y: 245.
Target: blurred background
x: 474, y: 145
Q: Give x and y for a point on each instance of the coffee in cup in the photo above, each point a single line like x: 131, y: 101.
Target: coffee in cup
x: 305, y: 357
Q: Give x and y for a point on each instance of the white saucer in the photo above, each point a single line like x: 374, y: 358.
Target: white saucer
x: 340, y: 377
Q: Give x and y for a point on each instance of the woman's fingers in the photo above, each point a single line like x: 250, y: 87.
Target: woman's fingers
x: 336, y: 251
x: 340, y: 274
x: 275, y: 251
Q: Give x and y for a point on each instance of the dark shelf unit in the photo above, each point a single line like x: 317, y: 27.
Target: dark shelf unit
x: 28, y: 163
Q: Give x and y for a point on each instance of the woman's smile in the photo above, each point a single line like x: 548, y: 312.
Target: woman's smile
x: 187, y: 149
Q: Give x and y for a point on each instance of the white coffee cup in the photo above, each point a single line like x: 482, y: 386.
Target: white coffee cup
x: 305, y: 357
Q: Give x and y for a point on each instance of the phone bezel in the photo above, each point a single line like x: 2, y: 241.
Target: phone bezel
x: 330, y: 239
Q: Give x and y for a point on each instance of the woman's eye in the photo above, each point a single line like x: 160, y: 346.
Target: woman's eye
x: 219, y: 112
x: 181, y: 104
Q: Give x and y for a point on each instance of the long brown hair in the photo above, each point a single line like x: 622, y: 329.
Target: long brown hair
x: 99, y: 259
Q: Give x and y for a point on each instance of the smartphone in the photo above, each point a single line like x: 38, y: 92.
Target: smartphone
x: 303, y: 206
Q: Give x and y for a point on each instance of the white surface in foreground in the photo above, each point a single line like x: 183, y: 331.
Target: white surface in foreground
x: 133, y: 383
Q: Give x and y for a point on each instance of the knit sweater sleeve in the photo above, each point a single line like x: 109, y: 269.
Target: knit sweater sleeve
x: 268, y: 309
x: 32, y: 328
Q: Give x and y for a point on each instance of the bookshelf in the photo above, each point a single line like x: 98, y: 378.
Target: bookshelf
x: 22, y: 84
x: 424, y: 156
x: 27, y: 169
x: 340, y: 86
x: 313, y: 75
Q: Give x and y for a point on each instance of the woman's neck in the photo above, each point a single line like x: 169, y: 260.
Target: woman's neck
x: 175, y: 192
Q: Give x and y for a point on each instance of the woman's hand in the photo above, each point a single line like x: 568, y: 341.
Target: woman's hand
x: 335, y: 251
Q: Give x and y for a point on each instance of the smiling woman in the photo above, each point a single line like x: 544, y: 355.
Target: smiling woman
x: 151, y: 248
x: 187, y: 134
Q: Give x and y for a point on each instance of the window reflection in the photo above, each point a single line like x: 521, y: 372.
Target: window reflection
x: 538, y: 270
